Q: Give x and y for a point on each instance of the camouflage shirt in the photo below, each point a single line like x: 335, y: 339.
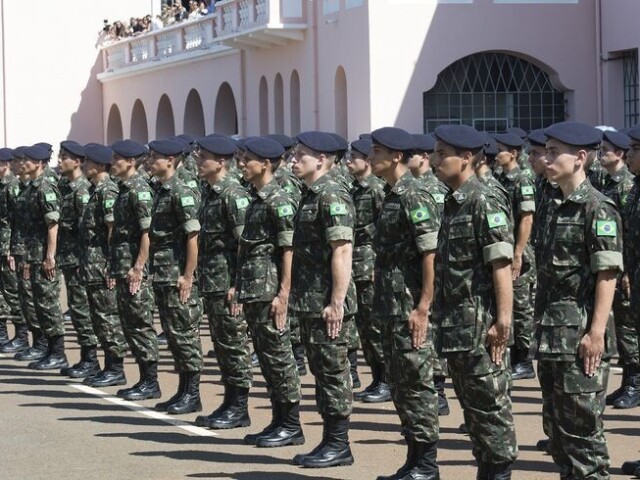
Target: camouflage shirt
x: 596, y: 174
x: 174, y: 217
x: 94, y: 232
x: 222, y: 216
x: 407, y: 228
x: 42, y: 209
x: 75, y: 195
x: 550, y: 197
x: 489, y: 180
x: 618, y: 186
x: 267, y: 230
x: 368, y: 196
x: 476, y: 231
x: 291, y: 184
x: 584, y: 239
x: 435, y: 187
x: 9, y: 190
x: 19, y: 221
x: 631, y: 223
x: 326, y: 214
x: 131, y: 216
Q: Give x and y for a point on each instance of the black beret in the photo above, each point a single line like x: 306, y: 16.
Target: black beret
x: 45, y: 145
x: 537, y: 137
x: 72, y: 147
x: 343, y: 145
x: 18, y: 152
x: 509, y: 139
x: 167, y: 147
x: 490, y: 147
x: 634, y: 132
x: 186, y: 146
x: 190, y: 139
x: 393, y: 138
x: 98, y: 153
x: 424, y: 142
x: 362, y: 145
x: 366, y: 136
x: 285, y: 140
x: 241, y: 142
x: 129, y: 148
x: 37, y: 153
x: 265, y: 148
x: 518, y: 131
x: 218, y: 145
x: 617, y: 139
x: 460, y: 136
x: 577, y: 134
x: 319, y: 141
x: 6, y: 154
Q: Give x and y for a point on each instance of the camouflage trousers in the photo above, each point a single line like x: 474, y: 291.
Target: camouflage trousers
x: 46, y: 300
x: 79, y: 307
x: 25, y: 294
x: 481, y: 387
x: 9, y: 296
x: 136, y: 316
x: 230, y: 341
x: 329, y: 365
x: 625, y: 328
x: 572, y: 408
x: 181, y: 323
x: 369, y: 326
x: 524, y: 289
x: 274, y: 353
x: 410, y: 378
x: 103, y: 309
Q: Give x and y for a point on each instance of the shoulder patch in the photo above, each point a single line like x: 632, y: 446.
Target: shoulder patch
x: 108, y: 203
x: 242, y: 203
x: 144, y: 195
x: 50, y: 197
x: 285, y: 211
x: 187, y: 201
x: 85, y: 198
x: 419, y: 215
x: 438, y: 197
x: 289, y: 188
x: 337, y: 209
x: 606, y: 228
x: 192, y: 184
x: 527, y: 190
x: 497, y: 219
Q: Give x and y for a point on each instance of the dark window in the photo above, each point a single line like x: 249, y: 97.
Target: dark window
x: 630, y: 68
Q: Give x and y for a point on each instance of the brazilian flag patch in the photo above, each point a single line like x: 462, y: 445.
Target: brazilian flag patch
x: 528, y: 190
x: 242, y: 203
x: 187, y: 201
x: 606, y: 228
x: 109, y: 203
x: 438, y: 198
x: 192, y: 184
x: 144, y: 195
x: 497, y: 219
x: 285, y: 211
x: 419, y: 215
x: 85, y: 198
x: 50, y: 197
x: 337, y: 209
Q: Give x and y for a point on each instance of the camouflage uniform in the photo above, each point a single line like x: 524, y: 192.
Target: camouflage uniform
x: 268, y: 229
x: 94, y: 235
x: 9, y: 297
x: 475, y: 231
x: 175, y: 215
x: 436, y: 188
x: 407, y: 229
x: 75, y: 195
x: 631, y: 219
x: 222, y: 219
x: 326, y: 214
x: 583, y: 240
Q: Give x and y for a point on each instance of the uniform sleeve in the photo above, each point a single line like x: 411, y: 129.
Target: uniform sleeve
x: 142, y: 201
x: 378, y: 200
x: 282, y: 211
x: 109, y: 201
x: 237, y: 202
x: 81, y: 198
x: 424, y: 219
x: 604, y: 239
x: 495, y: 230
x: 338, y: 216
x: 187, y: 206
x: 49, y: 199
x: 526, y: 195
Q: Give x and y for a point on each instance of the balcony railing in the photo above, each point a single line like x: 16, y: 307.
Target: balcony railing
x: 235, y: 23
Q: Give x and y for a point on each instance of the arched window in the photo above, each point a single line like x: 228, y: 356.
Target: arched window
x: 165, y: 125
x: 139, y: 128
x: 193, y: 115
x: 263, y: 98
x: 341, y: 110
x: 294, y: 106
x: 278, y: 97
x: 225, y: 117
x: 114, y: 125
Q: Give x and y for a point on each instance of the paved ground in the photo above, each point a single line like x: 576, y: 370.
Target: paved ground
x: 53, y: 429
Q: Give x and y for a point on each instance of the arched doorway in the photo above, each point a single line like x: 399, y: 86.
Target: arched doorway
x: 165, y: 125
x: 139, y: 128
x: 278, y: 105
x: 193, y: 115
x: 493, y: 91
x: 263, y: 99
x: 225, y: 118
x: 294, y: 94
x: 341, y: 110
x: 114, y: 125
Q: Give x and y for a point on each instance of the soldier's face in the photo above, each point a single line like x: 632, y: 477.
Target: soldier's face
x: 609, y: 155
x: 633, y: 157
x: 4, y: 167
x: 447, y: 163
x: 28, y: 167
x: 537, y: 159
x: 120, y: 165
x: 208, y: 163
x: 504, y: 157
x: 66, y: 163
x: 159, y: 164
x: 381, y: 159
x: 357, y: 164
x: 415, y: 162
x: 305, y: 163
x: 562, y: 160
x: 251, y: 166
x: 90, y: 169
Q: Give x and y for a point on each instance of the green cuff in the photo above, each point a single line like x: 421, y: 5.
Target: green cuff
x: 606, y: 260
x: 285, y: 239
x: 527, y: 206
x: 339, y: 233
x: 237, y: 232
x: 427, y: 242
x: 497, y: 251
x: 191, y: 226
x: 145, y: 223
x: 52, y: 218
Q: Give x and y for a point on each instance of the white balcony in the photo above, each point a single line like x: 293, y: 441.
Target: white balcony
x: 235, y: 24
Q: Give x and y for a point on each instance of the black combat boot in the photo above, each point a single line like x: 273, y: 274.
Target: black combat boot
x: 425, y: 465
x: 288, y: 431
x: 237, y: 415
x: 297, y: 459
x: 631, y: 395
x: 203, y: 420
x: 123, y: 391
x: 376, y: 375
x: 87, y: 366
x: 408, y: 464
x: 189, y: 402
x: 336, y: 450
x: 298, y: 354
x: 19, y: 343
x: 4, y: 333
x: 250, y: 439
x: 381, y: 393
x: 352, y: 356
x: 501, y: 471
x: 544, y: 445
x: 38, y: 351
x: 55, y: 359
x: 113, y: 373
x: 483, y: 470
x: 629, y: 468
x: 617, y: 393
x: 443, y: 403
x: 148, y: 386
x: 162, y: 406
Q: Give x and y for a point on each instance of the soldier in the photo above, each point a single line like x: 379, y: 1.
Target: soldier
x: 484, y: 163
x: 580, y: 260
x: 42, y: 214
x: 263, y: 282
x: 473, y: 299
x: 521, y: 190
x: 221, y: 215
x: 323, y: 295
x: 9, y: 298
x: 174, y: 258
x: 618, y: 183
x: 405, y: 242
x: 95, y: 231
x: 367, y: 192
x: 523, y: 157
x: 128, y: 266
x: 74, y: 190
